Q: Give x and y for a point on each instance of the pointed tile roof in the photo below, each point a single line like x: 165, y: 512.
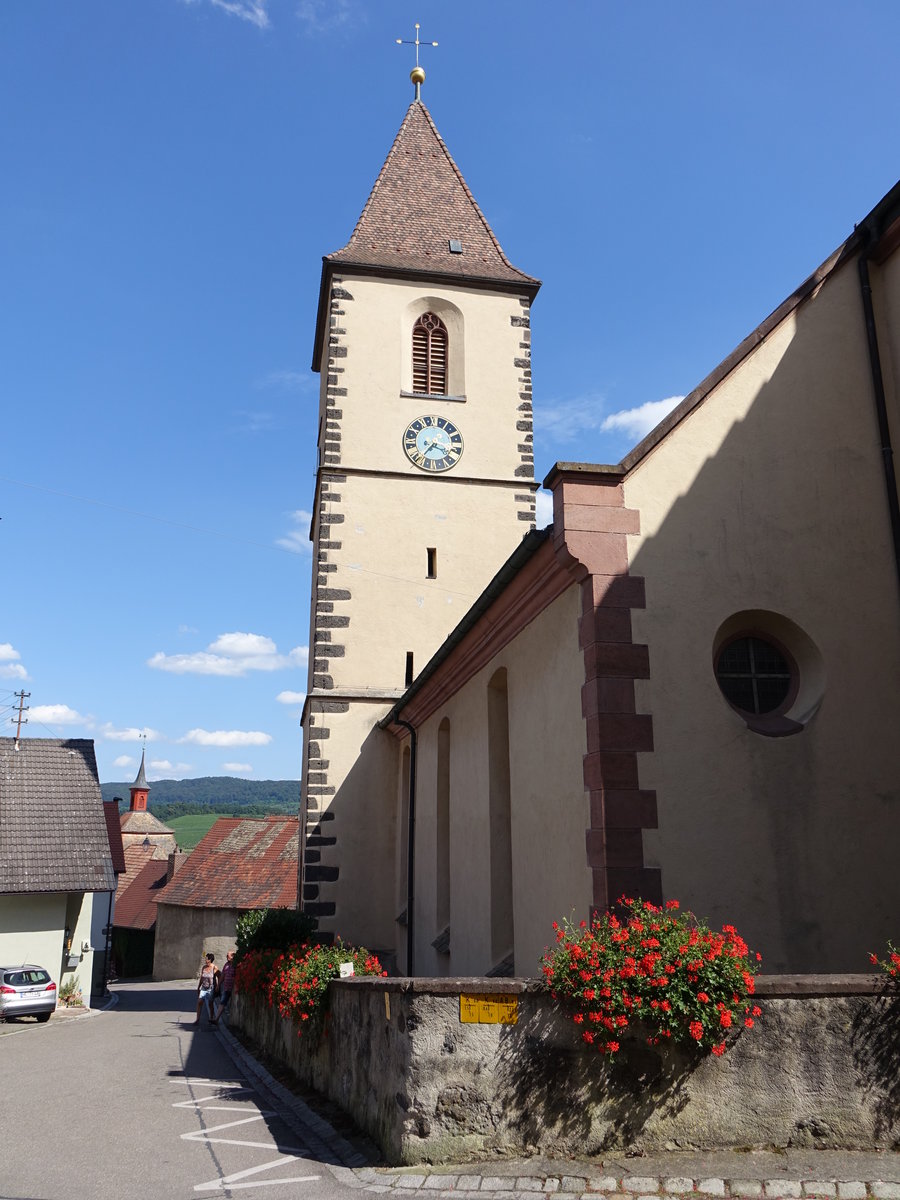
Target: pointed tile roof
x: 420, y: 202
x: 140, y: 784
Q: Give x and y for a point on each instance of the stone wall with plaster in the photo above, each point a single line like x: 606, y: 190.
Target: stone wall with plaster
x: 821, y: 1069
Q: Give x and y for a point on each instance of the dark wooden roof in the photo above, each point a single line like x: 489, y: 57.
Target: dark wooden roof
x: 241, y: 863
x: 53, y: 832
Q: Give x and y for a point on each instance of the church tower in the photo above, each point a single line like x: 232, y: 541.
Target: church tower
x: 140, y: 790
x: 425, y: 486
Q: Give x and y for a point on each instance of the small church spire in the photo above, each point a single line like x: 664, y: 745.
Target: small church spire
x: 140, y: 789
x: 417, y: 74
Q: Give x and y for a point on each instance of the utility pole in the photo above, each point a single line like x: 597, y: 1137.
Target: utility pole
x: 23, y: 708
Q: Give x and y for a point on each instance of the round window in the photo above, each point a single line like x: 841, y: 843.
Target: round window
x: 754, y: 675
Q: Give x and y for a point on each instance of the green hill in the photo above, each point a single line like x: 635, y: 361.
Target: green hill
x: 214, y: 794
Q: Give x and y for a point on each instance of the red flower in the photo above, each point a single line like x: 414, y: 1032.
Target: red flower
x: 696, y: 1030
x: 703, y: 998
x: 725, y: 1019
x: 719, y: 1050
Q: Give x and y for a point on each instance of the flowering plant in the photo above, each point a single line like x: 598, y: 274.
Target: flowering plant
x: 660, y: 967
x: 295, y: 981
x: 890, y: 964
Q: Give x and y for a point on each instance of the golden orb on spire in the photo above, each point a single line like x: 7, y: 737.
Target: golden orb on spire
x: 417, y: 76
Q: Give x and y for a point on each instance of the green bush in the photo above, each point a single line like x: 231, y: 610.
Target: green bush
x: 272, y: 929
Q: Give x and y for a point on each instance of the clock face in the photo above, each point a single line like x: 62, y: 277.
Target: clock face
x: 432, y: 443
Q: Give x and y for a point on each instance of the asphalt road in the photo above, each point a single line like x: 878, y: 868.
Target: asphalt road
x: 139, y: 1102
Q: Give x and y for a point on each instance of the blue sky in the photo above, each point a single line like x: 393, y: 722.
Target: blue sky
x: 172, y: 173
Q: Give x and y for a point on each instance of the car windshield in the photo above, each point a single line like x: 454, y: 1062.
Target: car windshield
x: 26, y: 978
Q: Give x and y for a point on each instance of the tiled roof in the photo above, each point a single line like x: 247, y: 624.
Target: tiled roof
x: 141, y: 822
x: 136, y: 909
x: 114, y: 834
x: 241, y: 863
x: 420, y: 202
x: 53, y: 835
x: 136, y: 858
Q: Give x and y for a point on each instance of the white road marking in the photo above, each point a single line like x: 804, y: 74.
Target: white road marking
x: 231, y: 1093
x: 229, y: 1181
x: 265, y: 1182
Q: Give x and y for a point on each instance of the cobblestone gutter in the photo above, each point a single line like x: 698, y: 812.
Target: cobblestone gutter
x: 821, y: 1069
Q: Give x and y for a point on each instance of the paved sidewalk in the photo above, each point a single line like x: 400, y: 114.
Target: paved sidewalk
x: 750, y: 1175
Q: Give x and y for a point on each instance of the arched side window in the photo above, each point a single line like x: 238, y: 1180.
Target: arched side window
x: 429, y: 351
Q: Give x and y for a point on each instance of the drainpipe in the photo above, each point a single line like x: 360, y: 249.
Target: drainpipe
x: 410, y: 844
x: 884, y: 430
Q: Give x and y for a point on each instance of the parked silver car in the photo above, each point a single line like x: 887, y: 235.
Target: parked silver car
x: 26, y: 991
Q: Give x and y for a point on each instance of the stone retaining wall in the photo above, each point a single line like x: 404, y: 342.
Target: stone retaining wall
x: 820, y: 1069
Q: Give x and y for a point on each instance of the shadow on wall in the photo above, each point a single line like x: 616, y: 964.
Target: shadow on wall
x: 356, y: 829
x: 784, y: 512
x: 875, y: 1044
x: 560, y: 1089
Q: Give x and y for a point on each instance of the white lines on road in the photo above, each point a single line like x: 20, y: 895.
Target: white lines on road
x: 229, y: 1181
x: 232, y: 1093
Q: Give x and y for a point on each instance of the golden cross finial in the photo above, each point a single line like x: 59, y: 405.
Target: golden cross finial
x: 417, y: 74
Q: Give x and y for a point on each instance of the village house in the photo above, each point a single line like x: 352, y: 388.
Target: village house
x: 56, y: 864
x: 243, y: 863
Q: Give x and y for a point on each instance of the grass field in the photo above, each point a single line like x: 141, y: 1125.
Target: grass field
x: 190, y: 829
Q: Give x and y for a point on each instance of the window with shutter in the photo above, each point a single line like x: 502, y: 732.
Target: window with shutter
x: 429, y: 350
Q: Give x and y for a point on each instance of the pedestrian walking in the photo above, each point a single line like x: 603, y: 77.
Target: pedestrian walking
x: 226, y: 986
x: 206, y: 986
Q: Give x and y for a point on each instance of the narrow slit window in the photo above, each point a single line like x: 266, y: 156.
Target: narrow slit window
x: 432, y: 563
x: 409, y: 667
x: 429, y: 351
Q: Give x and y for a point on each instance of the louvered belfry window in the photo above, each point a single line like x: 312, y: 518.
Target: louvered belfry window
x: 429, y: 347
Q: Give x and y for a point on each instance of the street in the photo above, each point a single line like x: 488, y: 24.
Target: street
x: 138, y: 1101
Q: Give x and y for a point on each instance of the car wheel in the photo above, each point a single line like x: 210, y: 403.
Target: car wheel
x: 43, y: 1016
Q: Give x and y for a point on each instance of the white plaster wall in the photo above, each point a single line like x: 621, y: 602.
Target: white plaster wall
x: 771, y: 496
x: 31, y: 931
x: 378, y: 323
x: 387, y: 530
x: 549, y: 807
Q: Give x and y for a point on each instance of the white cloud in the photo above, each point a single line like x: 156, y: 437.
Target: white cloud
x: 321, y: 15
x: 253, y: 11
x: 237, y: 768
x: 109, y: 733
x: 544, y: 509
x: 160, y: 764
x: 187, y: 629
x: 231, y: 654
x: 124, y: 760
x: 56, y: 714
x: 256, y: 421
x: 565, y: 420
x: 297, y: 540
x: 290, y: 381
x: 291, y: 697
x: 225, y: 737
x: 10, y: 666
x: 637, y: 422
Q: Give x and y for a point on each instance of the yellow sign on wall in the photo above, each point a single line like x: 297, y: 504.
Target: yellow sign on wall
x: 489, y: 1010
